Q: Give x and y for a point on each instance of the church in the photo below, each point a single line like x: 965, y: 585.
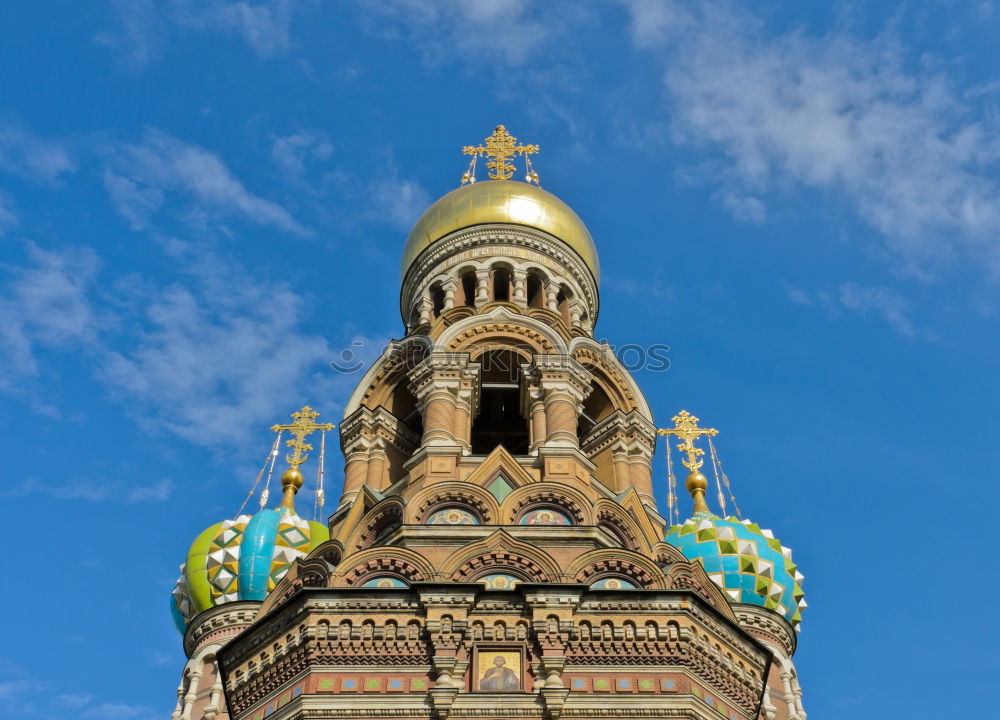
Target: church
x: 497, y: 550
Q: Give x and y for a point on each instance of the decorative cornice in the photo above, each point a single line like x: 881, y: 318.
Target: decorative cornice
x: 221, y: 622
x: 512, y: 242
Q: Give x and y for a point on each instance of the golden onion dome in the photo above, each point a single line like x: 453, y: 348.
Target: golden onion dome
x: 501, y: 201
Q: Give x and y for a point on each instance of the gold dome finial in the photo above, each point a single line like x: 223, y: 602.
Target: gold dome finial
x: 686, y: 428
x: 303, y: 427
x: 500, y: 147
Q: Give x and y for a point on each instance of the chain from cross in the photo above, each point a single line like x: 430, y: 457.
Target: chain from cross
x: 303, y: 427
x: 500, y: 147
x: 686, y: 428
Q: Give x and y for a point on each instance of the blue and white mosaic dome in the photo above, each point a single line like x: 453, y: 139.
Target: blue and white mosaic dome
x: 749, y: 564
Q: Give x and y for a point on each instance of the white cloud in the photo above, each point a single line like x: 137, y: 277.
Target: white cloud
x: 221, y: 355
x: 292, y: 152
x: 141, y: 28
x: 264, y: 26
x: 138, y: 33
x: 73, y: 700
x: 46, y: 305
x: 877, y: 301
x: 120, y: 711
x: 8, y: 216
x: 26, y: 155
x: 883, y: 302
x: 483, y: 30
x: 94, y: 491
x: 398, y: 201
x: 142, y: 178
x: 836, y: 113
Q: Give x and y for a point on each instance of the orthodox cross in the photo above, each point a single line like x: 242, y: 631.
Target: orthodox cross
x: 500, y: 147
x: 686, y: 428
x: 303, y: 427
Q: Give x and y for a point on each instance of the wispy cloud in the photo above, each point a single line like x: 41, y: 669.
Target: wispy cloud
x: 836, y: 113
x: 878, y: 301
x: 8, y: 216
x: 140, y: 29
x: 291, y: 153
x: 883, y: 302
x: 25, y: 154
x: 46, y: 305
x: 264, y: 26
x: 94, y: 491
x: 398, y: 201
x: 219, y: 355
x: 137, y: 32
x: 509, y: 31
x: 143, y: 178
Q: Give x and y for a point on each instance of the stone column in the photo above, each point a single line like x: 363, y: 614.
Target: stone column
x: 194, y: 677
x: 376, y: 464
x: 552, y: 297
x: 482, y: 287
x: 520, y: 288
x: 622, y: 468
x: 441, y: 383
x: 563, y: 383
x: 450, y: 287
x: 641, y: 466
x: 425, y: 310
x: 575, y: 313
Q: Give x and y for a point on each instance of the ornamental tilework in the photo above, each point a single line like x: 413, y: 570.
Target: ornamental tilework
x: 613, y: 583
x: 748, y: 563
x: 452, y: 516
x: 385, y: 581
x: 499, y: 582
x: 545, y: 516
x: 241, y: 559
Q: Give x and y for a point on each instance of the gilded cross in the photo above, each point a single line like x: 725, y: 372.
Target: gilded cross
x: 500, y: 147
x: 303, y: 427
x: 686, y: 428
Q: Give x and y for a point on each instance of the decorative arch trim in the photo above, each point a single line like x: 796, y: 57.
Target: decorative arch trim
x: 567, y: 498
x: 499, y: 551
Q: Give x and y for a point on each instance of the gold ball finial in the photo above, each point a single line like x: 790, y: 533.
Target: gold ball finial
x: 292, y: 477
x: 697, y: 484
x: 696, y: 481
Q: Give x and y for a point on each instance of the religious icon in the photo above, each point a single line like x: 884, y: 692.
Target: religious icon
x: 499, y: 670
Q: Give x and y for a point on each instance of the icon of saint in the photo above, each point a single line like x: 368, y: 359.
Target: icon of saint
x: 499, y: 677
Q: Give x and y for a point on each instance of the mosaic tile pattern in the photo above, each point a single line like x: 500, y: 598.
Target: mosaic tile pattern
x: 499, y: 582
x: 545, y: 516
x: 241, y: 559
x: 452, y: 516
x: 748, y: 563
x: 385, y: 581
x: 613, y: 583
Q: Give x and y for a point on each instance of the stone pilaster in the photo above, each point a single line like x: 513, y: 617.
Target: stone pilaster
x: 371, y: 440
x: 563, y: 383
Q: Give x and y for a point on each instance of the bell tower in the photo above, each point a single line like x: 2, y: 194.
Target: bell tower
x: 497, y: 550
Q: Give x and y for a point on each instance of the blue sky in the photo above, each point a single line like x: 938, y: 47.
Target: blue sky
x: 202, y: 203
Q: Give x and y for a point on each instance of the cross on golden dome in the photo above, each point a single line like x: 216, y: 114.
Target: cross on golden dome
x: 686, y: 428
x: 500, y: 147
x: 300, y: 430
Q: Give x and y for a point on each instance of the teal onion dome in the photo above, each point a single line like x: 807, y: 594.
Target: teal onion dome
x: 749, y: 564
x: 241, y: 559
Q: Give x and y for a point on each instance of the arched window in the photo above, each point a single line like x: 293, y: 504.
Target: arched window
x: 562, y: 303
x: 536, y: 291
x: 437, y: 299
x: 466, y: 295
x: 596, y: 406
x: 501, y: 284
x: 499, y: 421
